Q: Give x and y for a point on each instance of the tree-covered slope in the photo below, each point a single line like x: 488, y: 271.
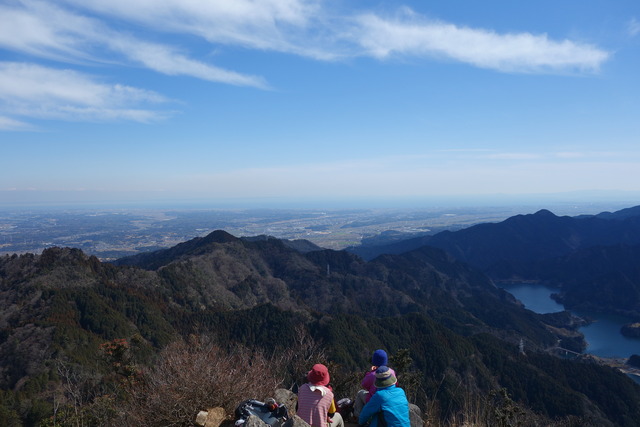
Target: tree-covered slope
x: 543, y: 235
x: 222, y: 272
x: 593, y: 259
x: 605, y: 278
x: 64, y: 314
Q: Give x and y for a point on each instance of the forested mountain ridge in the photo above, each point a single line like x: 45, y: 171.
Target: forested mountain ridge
x: 599, y: 278
x: 229, y: 273
x: 61, y: 308
x: 533, y: 237
x: 592, y: 259
x: 524, y: 237
x: 63, y: 291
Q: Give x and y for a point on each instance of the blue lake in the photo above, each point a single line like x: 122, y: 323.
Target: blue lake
x: 535, y: 297
x: 603, y: 335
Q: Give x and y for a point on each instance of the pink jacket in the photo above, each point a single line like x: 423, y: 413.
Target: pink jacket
x: 369, y: 382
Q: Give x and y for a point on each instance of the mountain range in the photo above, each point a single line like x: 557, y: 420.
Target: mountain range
x: 592, y: 259
x: 439, y: 304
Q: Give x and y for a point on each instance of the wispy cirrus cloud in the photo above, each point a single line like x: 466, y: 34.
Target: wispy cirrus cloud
x: 411, y: 35
x: 511, y: 156
x: 126, y: 34
x: 42, y: 92
x: 166, y: 60
x: 303, y: 27
x: 633, y: 27
x: 277, y: 25
x: 44, y: 30
x: 7, y: 123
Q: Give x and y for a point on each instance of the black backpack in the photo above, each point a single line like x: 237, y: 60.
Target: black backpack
x: 273, y: 414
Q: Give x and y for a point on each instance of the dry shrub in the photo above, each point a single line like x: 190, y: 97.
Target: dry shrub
x: 497, y: 409
x: 196, y: 375
x: 299, y: 357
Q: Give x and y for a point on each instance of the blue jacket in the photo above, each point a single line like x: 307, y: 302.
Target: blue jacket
x: 392, y: 402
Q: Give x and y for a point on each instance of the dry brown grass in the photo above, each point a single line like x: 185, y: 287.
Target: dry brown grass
x: 195, y: 375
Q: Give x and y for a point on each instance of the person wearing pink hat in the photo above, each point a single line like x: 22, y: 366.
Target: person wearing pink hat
x: 315, y: 399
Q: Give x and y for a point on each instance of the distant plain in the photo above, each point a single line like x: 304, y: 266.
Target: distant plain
x: 111, y: 233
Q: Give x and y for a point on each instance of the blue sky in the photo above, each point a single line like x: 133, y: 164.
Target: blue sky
x: 317, y: 100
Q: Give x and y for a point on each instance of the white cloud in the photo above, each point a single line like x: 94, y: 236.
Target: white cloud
x: 97, y: 32
x: 633, y: 27
x: 308, y: 28
x: 7, y: 123
x: 164, y: 59
x: 570, y: 155
x: 301, y: 27
x: 512, y: 156
x: 521, y: 52
x: 36, y: 91
x: 279, y: 25
x: 45, y: 30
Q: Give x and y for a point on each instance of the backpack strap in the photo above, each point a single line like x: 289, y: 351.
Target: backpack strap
x: 381, y: 421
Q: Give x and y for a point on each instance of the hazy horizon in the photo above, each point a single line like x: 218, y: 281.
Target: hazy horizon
x: 570, y: 203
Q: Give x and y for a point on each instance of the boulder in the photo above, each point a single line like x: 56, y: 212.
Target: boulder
x: 298, y: 422
x: 213, y: 417
x: 294, y: 421
x: 201, y: 418
x: 254, y: 421
x: 288, y: 398
x: 415, y: 416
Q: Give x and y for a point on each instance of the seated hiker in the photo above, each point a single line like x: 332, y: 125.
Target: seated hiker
x: 388, y: 407
x: 315, y: 400
x: 378, y: 359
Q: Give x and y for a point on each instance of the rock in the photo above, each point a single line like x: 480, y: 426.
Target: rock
x: 213, y: 417
x: 201, y: 418
x: 295, y: 421
x: 298, y: 422
x: 216, y: 417
x: 254, y: 421
x: 415, y: 416
x: 288, y: 398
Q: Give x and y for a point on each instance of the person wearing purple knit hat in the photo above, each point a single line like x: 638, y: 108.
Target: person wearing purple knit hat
x: 378, y: 359
x: 315, y: 399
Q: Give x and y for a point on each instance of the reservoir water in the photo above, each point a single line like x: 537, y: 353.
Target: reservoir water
x: 602, y: 335
x: 535, y: 297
